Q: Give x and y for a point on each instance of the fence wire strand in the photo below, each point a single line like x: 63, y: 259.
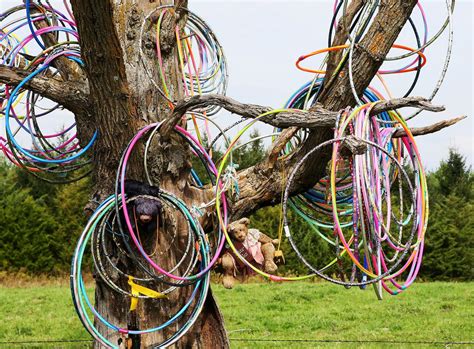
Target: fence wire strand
x: 321, y: 341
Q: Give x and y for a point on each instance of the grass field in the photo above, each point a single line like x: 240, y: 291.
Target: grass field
x: 441, y: 312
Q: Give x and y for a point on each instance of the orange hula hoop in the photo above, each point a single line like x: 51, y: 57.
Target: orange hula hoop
x: 341, y: 47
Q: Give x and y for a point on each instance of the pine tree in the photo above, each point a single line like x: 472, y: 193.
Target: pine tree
x: 449, y: 252
x: 455, y: 177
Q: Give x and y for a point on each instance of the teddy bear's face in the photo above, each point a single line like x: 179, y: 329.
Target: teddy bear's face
x: 147, y: 210
x: 239, y: 230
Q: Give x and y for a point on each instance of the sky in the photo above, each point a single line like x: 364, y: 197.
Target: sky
x: 263, y: 39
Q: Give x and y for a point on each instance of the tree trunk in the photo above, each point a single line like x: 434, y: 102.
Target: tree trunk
x: 123, y: 99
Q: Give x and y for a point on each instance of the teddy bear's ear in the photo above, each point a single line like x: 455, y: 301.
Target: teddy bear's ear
x: 245, y: 221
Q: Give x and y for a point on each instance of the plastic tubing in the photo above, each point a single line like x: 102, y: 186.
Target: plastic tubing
x: 344, y: 242
x: 79, y: 294
x: 29, y: 154
x: 341, y: 47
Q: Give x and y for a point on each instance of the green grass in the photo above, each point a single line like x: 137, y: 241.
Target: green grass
x: 426, y: 312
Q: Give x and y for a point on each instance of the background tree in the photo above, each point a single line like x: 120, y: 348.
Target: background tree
x: 449, y: 250
x: 114, y: 94
x: 454, y: 177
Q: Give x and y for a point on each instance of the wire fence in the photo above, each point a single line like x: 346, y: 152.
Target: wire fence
x: 53, y: 342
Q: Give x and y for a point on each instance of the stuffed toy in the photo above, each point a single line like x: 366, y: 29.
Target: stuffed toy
x: 256, y: 247
x: 144, y: 212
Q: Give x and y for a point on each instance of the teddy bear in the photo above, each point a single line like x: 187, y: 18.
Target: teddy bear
x: 144, y: 211
x: 253, y: 245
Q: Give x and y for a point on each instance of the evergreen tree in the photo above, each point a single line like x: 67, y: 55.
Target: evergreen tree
x: 27, y: 229
x: 455, y: 177
x: 449, y: 252
x: 40, y: 223
x: 248, y: 154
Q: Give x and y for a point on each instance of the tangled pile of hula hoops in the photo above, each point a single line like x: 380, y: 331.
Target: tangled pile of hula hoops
x: 53, y: 156
x: 371, y: 208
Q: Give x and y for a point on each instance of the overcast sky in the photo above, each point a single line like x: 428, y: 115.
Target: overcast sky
x: 263, y: 39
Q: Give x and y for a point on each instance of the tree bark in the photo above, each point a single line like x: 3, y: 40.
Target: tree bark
x: 317, y: 117
x: 70, y: 94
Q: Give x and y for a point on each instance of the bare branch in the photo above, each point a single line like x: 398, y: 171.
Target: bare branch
x: 280, y: 144
x: 68, y: 69
x: 253, y: 181
x: 316, y: 117
x: 71, y: 95
x: 397, y: 103
x: 419, y: 131
x: 355, y: 146
x: 181, y: 3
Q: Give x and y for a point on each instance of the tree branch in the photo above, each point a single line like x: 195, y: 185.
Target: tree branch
x: 355, y: 146
x: 280, y: 144
x: 341, y: 36
x: 420, y: 131
x: 314, y: 118
x: 70, y: 94
x: 68, y: 69
x: 414, y: 102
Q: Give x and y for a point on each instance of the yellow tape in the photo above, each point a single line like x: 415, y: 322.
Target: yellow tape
x: 138, y: 290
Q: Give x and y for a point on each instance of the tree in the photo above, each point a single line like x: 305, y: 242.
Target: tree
x: 40, y: 223
x: 27, y: 229
x: 449, y: 252
x: 455, y: 177
x: 113, y: 93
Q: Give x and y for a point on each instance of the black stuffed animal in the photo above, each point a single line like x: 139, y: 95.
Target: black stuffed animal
x: 148, y: 212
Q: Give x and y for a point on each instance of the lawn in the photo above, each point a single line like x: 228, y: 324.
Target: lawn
x: 440, y: 312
